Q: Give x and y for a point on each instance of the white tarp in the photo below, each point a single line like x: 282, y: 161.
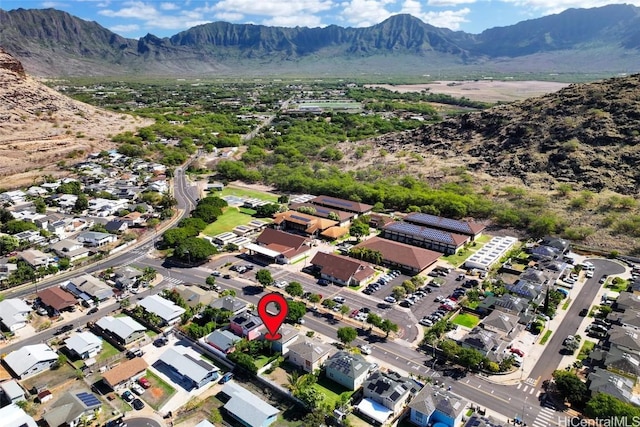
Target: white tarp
x: 375, y: 410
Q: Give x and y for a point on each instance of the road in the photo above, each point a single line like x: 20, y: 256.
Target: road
x: 142, y: 422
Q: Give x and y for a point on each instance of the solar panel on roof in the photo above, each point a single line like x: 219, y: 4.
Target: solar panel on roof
x: 437, y: 221
x: 337, y: 202
x: 425, y: 233
x: 300, y: 218
x: 88, y: 399
x: 394, y: 396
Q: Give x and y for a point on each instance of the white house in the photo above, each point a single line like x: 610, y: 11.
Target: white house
x: 168, y: 311
x: 84, y: 344
x: 14, y: 416
x: 36, y: 258
x: 125, y: 330
x: 31, y: 360
x: 14, y: 313
x: 95, y: 238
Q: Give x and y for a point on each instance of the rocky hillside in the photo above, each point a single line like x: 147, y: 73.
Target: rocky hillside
x: 53, y: 43
x: 587, y: 134
x: 39, y: 126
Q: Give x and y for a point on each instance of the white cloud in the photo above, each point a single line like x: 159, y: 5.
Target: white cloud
x: 229, y: 16
x: 169, y: 6
x: 364, y: 13
x: 310, y: 21
x: 125, y: 28
x: 448, y: 3
x: 445, y: 19
x: 272, y: 8
x: 133, y: 9
x: 53, y: 4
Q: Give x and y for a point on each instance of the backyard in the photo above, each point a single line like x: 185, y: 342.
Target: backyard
x: 330, y: 390
x: 159, y: 392
x: 467, y: 320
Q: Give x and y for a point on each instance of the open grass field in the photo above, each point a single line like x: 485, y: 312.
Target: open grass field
x: 230, y: 218
x: 466, y: 319
x: 246, y: 192
x: 461, y: 256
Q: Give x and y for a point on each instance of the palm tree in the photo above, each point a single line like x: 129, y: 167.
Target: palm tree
x: 294, y: 382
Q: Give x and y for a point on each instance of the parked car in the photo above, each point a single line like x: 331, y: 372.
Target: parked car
x: 390, y: 299
x: 137, y: 404
x: 584, y: 312
x: 281, y: 284
x: 517, y: 351
x: 137, y: 389
x: 426, y: 322
x: 339, y: 299
x: 365, y: 310
x: 226, y: 377
x: 162, y: 341
x: 323, y: 282
x: 603, y: 279
x: 62, y: 330
x: 92, y: 311
x: 144, y: 382
x: 127, y: 396
x: 216, y: 273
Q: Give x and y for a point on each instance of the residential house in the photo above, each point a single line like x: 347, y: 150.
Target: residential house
x: 70, y: 248
x: 477, y: 420
x: 223, y: 340
x: 57, y: 299
x: 14, y: 416
x: 504, y: 324
x: 229, y: 303
x: 194, y: 295
x: 627, y: 340
x: 116, y: 226
x: 247, y: 408
x: 526, y: 289
x: 348, y: 370
x: 343, y: 217
x: 15, y: 197
x: 309, y: 355
x: 510, y: 304
x: 618, y: 386
x: 14, y: 314
x: 434, y: 405
x: 194, y: 371
x: 11, y: 392
x: 125, y: 373
x: 247, y: 326
x: 30, y: 237
x: 466, y: 228
x: 356, y: 208
x: 618, y: 360
x: 401, y: 255
x: 424, y: 237
x: 96, y: 239
x: 126, y: 277
x: 289, y: 335
x: 36, y: 258
x: 385, y: 395
x: 342, y: 270
x: 124, y: 329
x: 133, y: 219
x: 166, y: 310
x: 279, y: 247
x: 562, y: 245
x: 7, y: 268
x: 627, y: 301
x: 30, y: 360
x: 89, y: 288
x: 73, y: 408
x: 486, y: 342
x: 84, y: 345
x: 628, y: 318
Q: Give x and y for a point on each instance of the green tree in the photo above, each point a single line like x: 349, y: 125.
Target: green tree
x: 470, y: 358
x: 64, y: 263
x: 315, y: 298
x: 347, y: 334
x: 606, y: 406
x: 398, y: 292
x: 194, y: 249
x: 374, y: 319
x: 449, y: 348
x: 8, y: 244
x: 296, y: 311
x: 267, y: 211
x: 215, y: 417
x: 39, y: 205
x: 294, y: 289
x: 388, y: 326
x: 570, y: 387
x: 359, y: 229
x: 81, y: 204
x: 18, y: 226
x: 264, y: 277
x: 174, y: 237
x: 210, y: 281
x: 344, y: 309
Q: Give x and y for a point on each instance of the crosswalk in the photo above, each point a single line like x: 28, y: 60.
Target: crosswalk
x: 531, y: 381
x: 172, y: 281
x: 525, y: 388
x: 546, y: 417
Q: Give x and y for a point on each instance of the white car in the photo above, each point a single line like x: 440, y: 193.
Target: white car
x: 365, y: 349
x: 589, y: 274
x: 361, y: 317
x: 281, y: 284
x: 426, y: 322
x: 339, y: 300
x: 137, y: 389
x: 390, y: 299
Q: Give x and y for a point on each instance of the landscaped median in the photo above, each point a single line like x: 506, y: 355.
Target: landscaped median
x: 546, y: 337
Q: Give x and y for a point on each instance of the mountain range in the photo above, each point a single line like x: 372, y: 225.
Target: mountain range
x: 598, y: 40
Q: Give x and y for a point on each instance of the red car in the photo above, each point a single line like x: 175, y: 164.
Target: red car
x: 144, y: 382
x: 517, y: 351
x: 446, y: 307
x: 354, y: 313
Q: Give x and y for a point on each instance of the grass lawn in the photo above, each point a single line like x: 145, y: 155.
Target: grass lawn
x: 150, y: 333
x: 261, y: 361
x: 230, y: 218
x: 546, y: 337
x: 621, y: 287
x: 160, y: 391
x: 566, y: 304
x: 466, y: 319
x: 330, y: 390
x: 108, y: 351
x: 472, y: 304
x: 587, y: 346
x: 245, y: 192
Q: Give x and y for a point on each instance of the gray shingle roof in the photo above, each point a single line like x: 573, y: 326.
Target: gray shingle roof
x: 352, y: 365
x: 309, y: 350
x: 186, y: 364
x: 122, y: 327
x: 246, y: 406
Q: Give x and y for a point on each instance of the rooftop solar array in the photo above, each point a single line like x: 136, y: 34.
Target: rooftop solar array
x: 440, y: 222
x: 300, y: 218
x: 88, y: 399
x: 337, y: 202
x: 342, y: 364
x: 425, y: 233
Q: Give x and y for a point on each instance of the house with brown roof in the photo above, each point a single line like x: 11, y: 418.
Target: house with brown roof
x: 333, y: 233
x: 342, y: 270
x: 278, y: 246
x: 302, y: 223
x: 424, y: 237
x: 400, y: 255
x: 343, y: 217
x: 57, y: 298
x: 344, y: 205
x: 125, y: 373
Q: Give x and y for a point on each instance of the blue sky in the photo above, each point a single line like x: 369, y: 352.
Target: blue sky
x: 135, y: 18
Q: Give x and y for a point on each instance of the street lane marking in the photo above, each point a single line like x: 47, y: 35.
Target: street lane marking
x: 519, y: 385
x: 525, y: 388
x: 532, y: 390
x: 538, y: 393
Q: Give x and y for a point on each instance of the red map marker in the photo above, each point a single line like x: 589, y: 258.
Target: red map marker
x: 273, y: 320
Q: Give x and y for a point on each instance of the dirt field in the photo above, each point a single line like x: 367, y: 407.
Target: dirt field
x: 483, y: 90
